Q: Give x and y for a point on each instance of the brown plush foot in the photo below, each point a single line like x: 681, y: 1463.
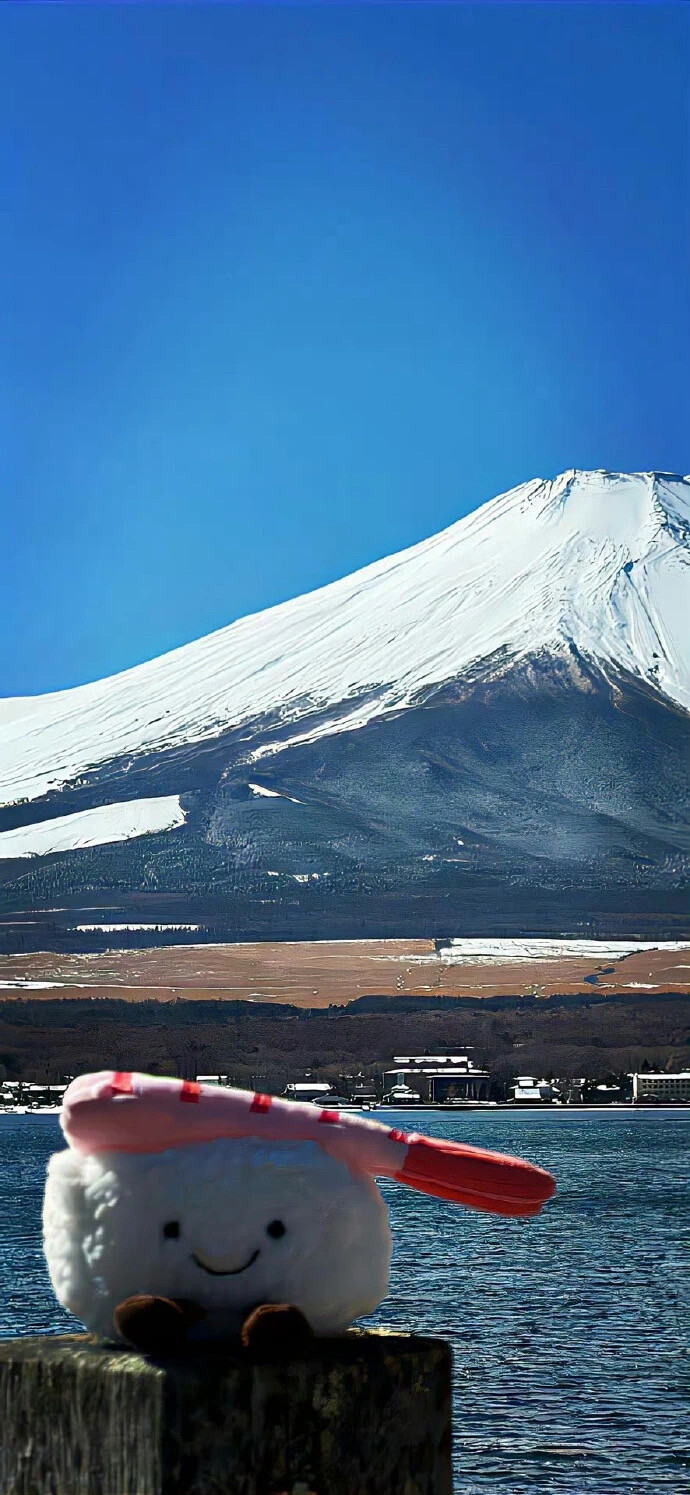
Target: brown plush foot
x: 276, y: 1331
x: 155, y: 1326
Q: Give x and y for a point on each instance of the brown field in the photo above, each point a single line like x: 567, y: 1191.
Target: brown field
x: 312, y: 975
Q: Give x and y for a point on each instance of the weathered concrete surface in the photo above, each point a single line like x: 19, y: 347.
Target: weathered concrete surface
x: 369, y: 1414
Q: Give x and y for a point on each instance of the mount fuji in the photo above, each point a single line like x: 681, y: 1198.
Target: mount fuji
x: 486, y: 733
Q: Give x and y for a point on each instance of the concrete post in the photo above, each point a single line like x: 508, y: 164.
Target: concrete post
x: 368, y: 1414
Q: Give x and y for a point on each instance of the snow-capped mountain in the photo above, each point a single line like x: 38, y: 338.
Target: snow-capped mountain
x: 597, y: 562
x: 547, y: 629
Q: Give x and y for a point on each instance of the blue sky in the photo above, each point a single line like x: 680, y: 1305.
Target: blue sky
x: 288, y: 288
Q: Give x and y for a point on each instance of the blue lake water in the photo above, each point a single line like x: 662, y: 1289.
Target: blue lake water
x: 571, y: 1333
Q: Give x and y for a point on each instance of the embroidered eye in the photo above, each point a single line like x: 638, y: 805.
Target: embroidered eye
x: 171, y: 1230
x: 275, y: 1229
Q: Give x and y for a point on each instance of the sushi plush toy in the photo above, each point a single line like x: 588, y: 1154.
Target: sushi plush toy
x: 182, y: 1212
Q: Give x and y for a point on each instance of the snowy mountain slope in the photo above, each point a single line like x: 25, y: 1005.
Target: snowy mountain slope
x: 598, y: 563
x: 532, y: 803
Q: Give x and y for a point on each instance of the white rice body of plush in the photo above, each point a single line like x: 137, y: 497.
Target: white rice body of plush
x: 227, y: 1224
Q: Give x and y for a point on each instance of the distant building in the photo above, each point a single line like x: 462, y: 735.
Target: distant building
x: 606, y: 1095
x: 360, y: 1088
x: 308, y: 1090
x: 364, y: 1091
x: 663, y: 1087
x: 402, y: 1095
x: 444, y: 1077
x: 526, y: 1090
x: 31, y: 1096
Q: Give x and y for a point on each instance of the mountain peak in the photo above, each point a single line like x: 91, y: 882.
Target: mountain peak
x: 597, y: 562
x: 601, y: 496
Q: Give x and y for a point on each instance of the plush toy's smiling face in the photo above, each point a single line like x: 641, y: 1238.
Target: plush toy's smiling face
x: 226, y: 1224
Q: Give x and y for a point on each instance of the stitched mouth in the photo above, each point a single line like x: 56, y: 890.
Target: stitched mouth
x: 224, y: 1271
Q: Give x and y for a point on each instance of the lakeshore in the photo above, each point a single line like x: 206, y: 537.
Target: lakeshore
x: 268, y: 1048
x: 381, y: 1112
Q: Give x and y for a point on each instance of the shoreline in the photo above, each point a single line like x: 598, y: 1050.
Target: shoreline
x: 484, y: 1109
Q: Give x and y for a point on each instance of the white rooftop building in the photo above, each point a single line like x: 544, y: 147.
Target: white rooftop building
x: 308, y: 1090
x: 446, y: 1077
x: 527, y: 1090
x: 662, y: 1087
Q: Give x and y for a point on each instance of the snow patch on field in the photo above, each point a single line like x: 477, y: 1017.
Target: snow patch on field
x: 118, y: 928
x: 526, y: 951
x: 99, y: 827
x: 21, y: 985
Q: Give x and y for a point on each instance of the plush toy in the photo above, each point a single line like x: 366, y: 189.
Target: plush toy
x: 183, y: 1212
